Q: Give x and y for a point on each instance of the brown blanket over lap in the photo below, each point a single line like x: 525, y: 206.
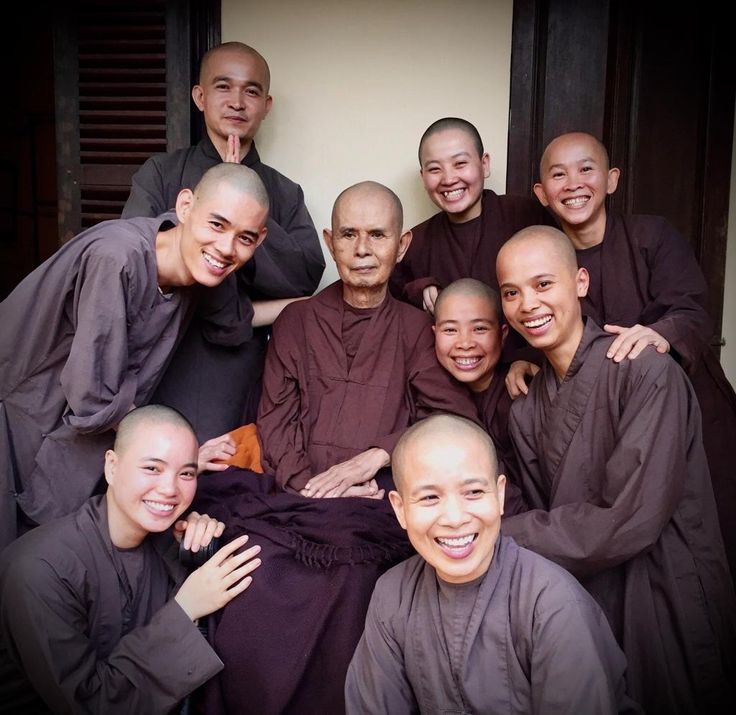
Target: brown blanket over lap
x: 287, y: 641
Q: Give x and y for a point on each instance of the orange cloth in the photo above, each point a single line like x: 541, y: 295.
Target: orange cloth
x: 247, y: 448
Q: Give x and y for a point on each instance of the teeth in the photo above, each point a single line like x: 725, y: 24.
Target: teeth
x: 213, y: 262
x: 537, y: 322
x: 457, y: 542
x: 454, y: 194
x: 576, y: 202
x: 158, y: 506
x: 467, y: 361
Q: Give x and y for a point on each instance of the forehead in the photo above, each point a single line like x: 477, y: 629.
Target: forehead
x: 365, y: 210
x: 225, y: 200
x: 529, y: 258
x: 235, y: 64
x: 465, y: 308
x: 446, y: 460
x: 161, y: 441
x: 571, y: 148
x: 447, y: 143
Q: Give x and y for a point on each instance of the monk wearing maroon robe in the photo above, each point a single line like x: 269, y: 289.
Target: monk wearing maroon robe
x: 87, y: 335
x: 347, y: 372
x: 615, y: 475
x: 647, y: 288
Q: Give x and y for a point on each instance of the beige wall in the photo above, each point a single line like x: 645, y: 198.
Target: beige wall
x: 355, y: 84
x: 728, y: 352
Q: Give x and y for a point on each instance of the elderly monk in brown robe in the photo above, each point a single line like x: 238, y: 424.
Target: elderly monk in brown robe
x: 614, y: 472
x: 96, y: 612
x: 646, y: 288
x: 475, y: 623
x: 87, y: 335
x: 347, y: 372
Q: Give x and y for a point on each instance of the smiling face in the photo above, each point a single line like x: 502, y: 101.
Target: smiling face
x: 151, y: 481
x: 366, y: 243
x: 575, y: 180
x: 233, y: 94
x: 450, y: 503
x: 220, y: 231
x: 469, y: 338
x: 540, y: 288
x: 454, y: 173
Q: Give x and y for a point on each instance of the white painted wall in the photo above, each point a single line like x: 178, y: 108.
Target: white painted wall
x: 355, y: 84
x: 728, y: 352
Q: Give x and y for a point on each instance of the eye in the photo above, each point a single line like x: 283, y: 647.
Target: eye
x: 475, y: 493
x: 586, y: 169
x: 151, y: 468
x: 481, y: 329
x: 461, y: 164
x: 509, y: 293
x: 216, y: 224
x: 247, y: 240
x: 222, y: 86
x: 188, y: 475
x: 253, y: 92
x: 544, y: 284
x: 377, y: 234
x: 557, y: 174
x: 429, y: 499
x: 449, y: 331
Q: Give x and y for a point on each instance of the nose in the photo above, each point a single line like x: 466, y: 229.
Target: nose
x: 236, y: 99
x: 226, y: 245
x: 362, y: 245
x: 529, y: 300
x: 448, y: 176
x: 453, y: 512
x: 465, y: 339
x: 166, y: 484
x: 572, y: 181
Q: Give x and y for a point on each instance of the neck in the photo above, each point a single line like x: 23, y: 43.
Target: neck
x: 169, y: 264
x: 121, y: 535
x: 587, y: 235
x: 468, y: 215
x: 561, y: 356
x: 483, y: 383
x: 364, y: 297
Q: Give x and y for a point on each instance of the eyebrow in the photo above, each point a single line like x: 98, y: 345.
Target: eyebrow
x: 577, y: 161
x: 434, y: 487
x: 226, y: 78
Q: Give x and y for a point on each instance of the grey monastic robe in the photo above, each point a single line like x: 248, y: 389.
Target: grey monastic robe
x: 84, y: 338
x: 529, y: 640
x: 613, y: 469
x: 77, y: 637
x: 218, y: 388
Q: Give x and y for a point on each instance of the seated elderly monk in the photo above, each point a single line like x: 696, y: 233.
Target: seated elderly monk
x: 96, y: 612
x: 347, y: 372
x: 475, y: 623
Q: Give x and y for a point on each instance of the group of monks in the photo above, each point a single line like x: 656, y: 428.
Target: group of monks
x: 485, y: 471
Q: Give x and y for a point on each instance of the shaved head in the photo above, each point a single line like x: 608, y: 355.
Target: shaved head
x: 366, y: 190
x: 436, y: 430
x: 148, y: 416
x: 596, y: 147
x: 233, y: 47
x: 558, y: 243
x: 470, y: 288
x: 239, y: 177
x: 447, y: 123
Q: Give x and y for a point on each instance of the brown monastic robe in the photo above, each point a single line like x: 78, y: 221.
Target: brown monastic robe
x: 527, y: 639
x: 77, y: 636
x: 615, y: 475
x: 645, y: 272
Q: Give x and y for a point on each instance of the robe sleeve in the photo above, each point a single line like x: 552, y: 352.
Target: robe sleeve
x: 96, y: 379
x: 280, y: 420
x: 290, y: 262
x: 376, y: 682
x: 678, y: 288
x: 430, y: 388
x: 576, y: 665
x: 146, y: 192
x: 150, y: 670
x: 642, y: 479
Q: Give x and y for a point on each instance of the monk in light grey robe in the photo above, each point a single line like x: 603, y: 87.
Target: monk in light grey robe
x: 474, y: 623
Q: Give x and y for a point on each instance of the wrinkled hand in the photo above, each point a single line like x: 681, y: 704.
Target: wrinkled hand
x: 232, y: 155
x: 369, y: 490
x: 429, y: 298
x: 631, y: 341
x: 359, y: 470
x: 219, y: 580
x: 197, y: 530
x: 516, y: 382
x: 213, y: 453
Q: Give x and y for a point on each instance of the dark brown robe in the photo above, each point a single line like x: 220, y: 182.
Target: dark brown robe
x: 614, y: 472
x: 85, y: 337
x: 324, y: 401
x: 218, y: 387
x: 525, y: 639
x: 645, y: 272
x: 76, y: 636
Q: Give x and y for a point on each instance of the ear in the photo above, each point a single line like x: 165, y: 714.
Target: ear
x: 501, y: 490
x: 398, y: 505
x: 434, y: 328
x: 111, y: 461
x: 540, y: 194
x: 485, y: 161
x: 327, y: 236
x: 613, y: 177
x: 269, y: 104
x: 582, y: 280
x: 184, y: 203
x: 404, y: 243
x: 262, y: 236
x: 198, y: 97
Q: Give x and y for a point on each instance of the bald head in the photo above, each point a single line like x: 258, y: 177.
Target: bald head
x: 447, y: 123
x: 469, y: 288
x: 597, y: 150
x: 239, y: 177
x: 234, y: 48
x: 556, y: 243
x: 130, y: 427
x: 370, y: 191
x: 437, y: 430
